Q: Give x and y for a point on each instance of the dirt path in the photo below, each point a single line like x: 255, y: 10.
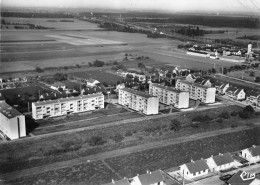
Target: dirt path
x: 115, y: 153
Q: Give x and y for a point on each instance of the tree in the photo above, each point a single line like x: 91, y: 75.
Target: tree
x: 90, y: 64
x: 175, y: 125
x: 60, y: 77
x: 96, y: 140
x: 249, y: 109
x: 141, y: 65
x: 252, y: 73
x: 39, y: 70
x: 98, y: 63
x: 257, y: 79
x: 213, y: 70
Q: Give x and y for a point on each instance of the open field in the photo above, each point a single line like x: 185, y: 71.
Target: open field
x: 65, y: 51
x: 93, y: 173
x: 174, y: 155
x: 246, y: 74
x: 165, y: 156
x: 100, y: 75
x: 72, y: 24
x: 59, y: 147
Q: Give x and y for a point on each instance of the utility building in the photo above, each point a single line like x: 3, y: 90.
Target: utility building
x: 66, y: 106
x: 12, y: 122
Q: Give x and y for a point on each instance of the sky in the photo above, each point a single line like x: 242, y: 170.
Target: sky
x: 164, y: 5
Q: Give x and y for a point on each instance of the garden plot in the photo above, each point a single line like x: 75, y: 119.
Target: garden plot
x: 82, y: 40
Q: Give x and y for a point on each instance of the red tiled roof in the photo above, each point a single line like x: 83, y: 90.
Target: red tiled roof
x: 197, y: 166
x: 255, y: 150
x: 151, y: 178
x: 223, y: 159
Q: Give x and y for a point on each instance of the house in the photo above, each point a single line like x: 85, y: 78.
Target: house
x: 138, y: 101
x: 192, y: 77
x: 223, y: 88
x: 235, y: 93
x: 204, y: 82
x: 69, y: 105
x: 92, y: 82
x: 196, y: 91
x: 251, y: 154
x: 243, y: 178
x: 58, y: 85
x: 194, y: 169
x: 149, y: 178
x: 124, y: 181
x: 220, y: 162
x: 252, y: 98
x: 12, y: 122
x: 170, y: 95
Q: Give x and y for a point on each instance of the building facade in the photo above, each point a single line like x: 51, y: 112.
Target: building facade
x: 235, y: 93
x: 251, y: 154
x: 194, y: 169
x: 68, y: 105
x: 170, y: 96
x: 220, y: 162
x: 197, y: 91
x: 12, y: 122
x: 138, y: 101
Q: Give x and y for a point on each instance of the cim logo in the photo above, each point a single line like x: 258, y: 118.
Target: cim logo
x: 247, y: 176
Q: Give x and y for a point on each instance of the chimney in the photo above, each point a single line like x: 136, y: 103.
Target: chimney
x: 113, y: 181
x: 253, y: 146
x: 220, y: 154
x: 192, y: 160
x: 147, y: 171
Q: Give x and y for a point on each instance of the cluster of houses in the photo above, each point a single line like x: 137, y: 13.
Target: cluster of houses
x: 202, y: 167
x: 11, y: 82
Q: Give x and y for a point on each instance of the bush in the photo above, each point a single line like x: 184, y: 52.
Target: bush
x: 128, y: 133
x: 224, y: 115
x: 220, y: 120
x: 96, y: 140
x: 195, y: 125
x: 39, y: 70
x: 60, y: 77
x: 175, y: 125
x: 233, y: 125
x: 257, y: 113
x: 98, y: 63
x: 118, y: 137
x: 152, y: 128
x: 234, y: 113
x: 201, y: 118
x: 244, y: 115
x: 249, y: 109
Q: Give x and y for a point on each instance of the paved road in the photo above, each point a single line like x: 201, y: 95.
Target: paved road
x: 115, y: 153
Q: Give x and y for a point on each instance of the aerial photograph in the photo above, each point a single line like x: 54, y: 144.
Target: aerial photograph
x: 130, y: 92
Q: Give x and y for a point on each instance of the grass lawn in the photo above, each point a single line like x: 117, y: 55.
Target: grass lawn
x: 93, y: 173
x: 100, y: 75
x: 177, y: 154
x: 246, y: 74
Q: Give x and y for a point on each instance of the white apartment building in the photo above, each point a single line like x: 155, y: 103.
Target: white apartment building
x: 138, y: 101
x: 12, y: 122
x: 197, y: 91
x: 170, y: 96
x: 68, y: 105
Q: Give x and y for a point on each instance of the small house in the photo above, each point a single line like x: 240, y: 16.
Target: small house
x: 192, y: 77
x: 235, y: 93
x: 252, y: 98
x: 220, y: 162
x: 251, y: 154
x: 243, y: 178
x: 194, y: 169
x: 149, y: 178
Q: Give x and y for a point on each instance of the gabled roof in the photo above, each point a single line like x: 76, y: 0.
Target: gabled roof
x: 240, y: 179
x: 255, y: 150
x: 199, y: 80
x: 231, y: 89
x: 218, y: 83
x: 223, y: 159
x: 238, y: 91
x: 58, y: 84
x: 120, y: 182
x: 151, y: 178
x: 197, y: 166
x: 205, y: 81
x: 253, y: 93
x: 223, y: 85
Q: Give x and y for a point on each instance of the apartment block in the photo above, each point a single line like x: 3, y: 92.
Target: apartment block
x: 68, y: 105
x: 12, y: 122
x: 170, y: 95
x: 197, y: 91
x: 138, y: 101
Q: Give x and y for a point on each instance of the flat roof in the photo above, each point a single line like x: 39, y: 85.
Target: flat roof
x: 67, y: 99
x: 8, y: 111
x: 194, y: 84
x: 167, y: 88
x: 139, y: 93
